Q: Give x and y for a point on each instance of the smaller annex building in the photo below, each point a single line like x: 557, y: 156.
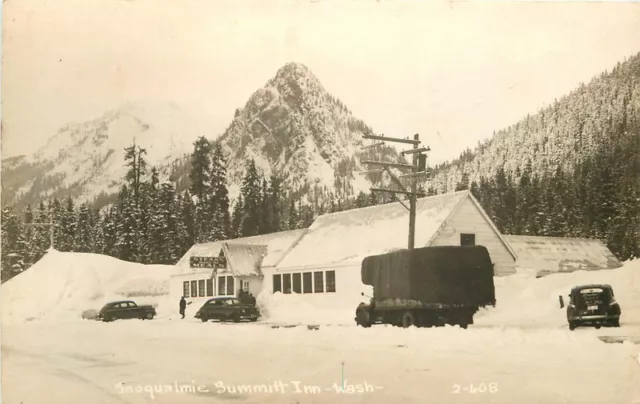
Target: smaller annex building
x: 325, y: 264
x: 548, y: 255
x: 222, y: 268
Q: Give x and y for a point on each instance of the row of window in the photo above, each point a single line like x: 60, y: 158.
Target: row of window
x: 305, y: 282
x: 204, y: 287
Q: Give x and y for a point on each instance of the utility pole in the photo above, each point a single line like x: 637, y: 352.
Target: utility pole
x: 418, y: 168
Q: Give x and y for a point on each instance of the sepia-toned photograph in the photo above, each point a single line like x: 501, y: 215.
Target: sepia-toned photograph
x: 320, y: 201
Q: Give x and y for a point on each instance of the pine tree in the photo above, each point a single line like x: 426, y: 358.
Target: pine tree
x: 293, y: 216
x: 187, y: 217
x: 463, y: 184
x: 136, y: 164
x: 126, y: 227
x: 219, y: 201
x: 275, y: 204
x: 82, y: 236
x: 265, y: 220
x: 236, y: 218
x: 251, y: 196
x: 110, y: 230
x: 40, y: 239
x: 68, y: 224
x: 13, y: 245
x: 199, y: 176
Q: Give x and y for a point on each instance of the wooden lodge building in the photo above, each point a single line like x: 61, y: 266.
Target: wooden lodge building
x: 323, y: 262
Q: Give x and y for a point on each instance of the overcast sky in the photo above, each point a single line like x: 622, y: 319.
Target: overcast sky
x: 451, y: 71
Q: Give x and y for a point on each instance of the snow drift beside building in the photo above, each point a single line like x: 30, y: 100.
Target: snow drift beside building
x: 62, y: 285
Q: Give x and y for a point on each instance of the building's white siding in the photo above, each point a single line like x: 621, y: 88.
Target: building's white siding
x: 468, y: 219
x: 348, y: 287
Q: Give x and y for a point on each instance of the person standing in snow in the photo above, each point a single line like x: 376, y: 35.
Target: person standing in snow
x: 183, y: 306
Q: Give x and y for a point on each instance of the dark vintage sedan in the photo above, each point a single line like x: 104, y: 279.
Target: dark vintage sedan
x: 593, y: 305
x: 125, y: 309
x: 227, y: 309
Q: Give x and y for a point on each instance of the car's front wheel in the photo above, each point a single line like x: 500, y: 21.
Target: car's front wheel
x: 149, y: 316
x: 572, y: 325
x: 204, y: 319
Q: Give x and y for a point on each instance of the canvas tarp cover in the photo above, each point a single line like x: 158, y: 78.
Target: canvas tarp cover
x: 444, y: 275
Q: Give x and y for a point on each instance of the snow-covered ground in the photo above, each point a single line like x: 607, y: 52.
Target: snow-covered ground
x: 521, y: 351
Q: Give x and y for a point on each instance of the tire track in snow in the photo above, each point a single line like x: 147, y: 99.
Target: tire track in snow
x: 55, y: 368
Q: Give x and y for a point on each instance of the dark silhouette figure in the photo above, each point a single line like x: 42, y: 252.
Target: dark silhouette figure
x: 183, y: 306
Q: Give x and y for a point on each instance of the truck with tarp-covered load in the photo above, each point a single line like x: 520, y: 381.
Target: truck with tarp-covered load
x: 429, y: 286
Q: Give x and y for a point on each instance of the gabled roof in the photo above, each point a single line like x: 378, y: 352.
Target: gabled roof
x: 277, y: 244
x: 243, y: 259
x: 484, y: 214
x: 558, y: 254
x: 347, y: 237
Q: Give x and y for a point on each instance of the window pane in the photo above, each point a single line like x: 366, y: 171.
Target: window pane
x: 209, y: 287
x: 318, y: 282
x: 331, y: 281
x: 185, y: 289
x: 286, y: 280
x: 297, y: 283
x: 194, y: 288
x: 277, y: 283
x: 307, y: 279
x: 201, y: 288
x: 222, y: 286
x: 467, y: 239
x: 230, y: 285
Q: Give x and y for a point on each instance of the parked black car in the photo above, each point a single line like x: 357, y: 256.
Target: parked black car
x: 593, y: 305
x: 124, y: 309
x: 227, y: 309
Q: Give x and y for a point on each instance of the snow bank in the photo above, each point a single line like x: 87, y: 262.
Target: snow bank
x: 64, y: 285
x: 311, y: 309
x: 525, y: 300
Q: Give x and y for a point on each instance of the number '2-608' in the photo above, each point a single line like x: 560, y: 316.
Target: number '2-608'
x: 475, y: 388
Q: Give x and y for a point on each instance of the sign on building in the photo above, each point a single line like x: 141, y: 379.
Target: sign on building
x: 208, y: 262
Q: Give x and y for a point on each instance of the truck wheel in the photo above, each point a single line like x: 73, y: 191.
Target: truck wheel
x: 362, y: 319
x: 408, y: 319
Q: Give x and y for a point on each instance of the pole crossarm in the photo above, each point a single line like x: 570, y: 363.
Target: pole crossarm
x: 392, y: 139
x: 393, y: 191
x: 418, y: 174
x: 372, y: 171
x: 390, y: 164
x: 371, y: 146
x: 418, y: 150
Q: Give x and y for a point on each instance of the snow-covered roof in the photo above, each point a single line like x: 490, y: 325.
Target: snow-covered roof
x: 277, y: 244
x: 559, y: 254
x: 243, y: 259
x: 347, y: 237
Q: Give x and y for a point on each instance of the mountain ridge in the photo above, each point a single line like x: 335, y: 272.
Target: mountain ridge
x: 291, y: 127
